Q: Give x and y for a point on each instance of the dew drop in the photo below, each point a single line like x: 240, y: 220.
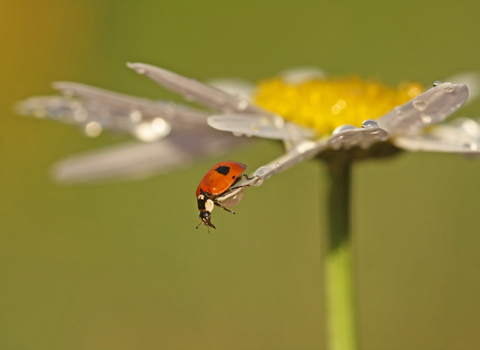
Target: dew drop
x: 170, y: 108
x: 369, y: 123
x: 436, y: 83
x: 232, y: 201
x: 426, y: 119
x: 398, y: 110
x: 80, y: 115
x: 39, y: 112
x: 471, y: 127
x: 277, y: 164
x: 473, y: 146
x: 160, y: 126
x: 93, y: 129
x: 419, y: 105
x: 449, y: 88
x: 342, y: 128
x: 56, y: 112
x: 135, y: 116
x: 261, y: 172
x: 140, y: 70
x: 242, y: 105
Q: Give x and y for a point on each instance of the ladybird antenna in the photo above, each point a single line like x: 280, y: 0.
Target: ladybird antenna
x: 196, y: 228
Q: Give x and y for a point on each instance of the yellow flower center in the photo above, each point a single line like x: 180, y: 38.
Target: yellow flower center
x: 324, y: 104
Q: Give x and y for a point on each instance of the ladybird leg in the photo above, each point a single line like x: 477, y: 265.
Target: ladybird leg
x: 244, y: 176
x: 208, y: 226
x: 221, y: 206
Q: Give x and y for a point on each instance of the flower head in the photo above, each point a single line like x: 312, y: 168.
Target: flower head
x: 312, y: 115
x: 327, y: 103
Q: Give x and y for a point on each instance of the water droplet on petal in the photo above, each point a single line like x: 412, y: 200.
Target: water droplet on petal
x: 170, y: 109
x: 398, y: 110
x: 144, y: 132
x: 344, y: 127
x: 161, y: 127
x: 277, y: 164
x: 39, y: 112
x: 449, y: 88
x: 369, y: 123
x: 135, y: 116
x: 80, y: 115
x: 242, y: 104
x: 56, y: 112
x: 93, y: 129
x: 231, y: 202
x: 473, y: 146
x: 436, y: 83
x: 426, y: 119
x: 471, y: 127
x: 261, y: 172
x: 419, y: 105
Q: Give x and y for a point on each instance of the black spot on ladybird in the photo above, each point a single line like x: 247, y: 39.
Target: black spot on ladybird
x: 224, y: 170
x: 233, y: 176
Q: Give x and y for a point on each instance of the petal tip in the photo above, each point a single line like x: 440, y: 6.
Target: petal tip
x: 137, y: 67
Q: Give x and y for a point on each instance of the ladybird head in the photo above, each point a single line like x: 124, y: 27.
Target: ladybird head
x: 205, y: 216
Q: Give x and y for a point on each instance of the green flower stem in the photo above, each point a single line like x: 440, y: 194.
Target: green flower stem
x: 338, y: 264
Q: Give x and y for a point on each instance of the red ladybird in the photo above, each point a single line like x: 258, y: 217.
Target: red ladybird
x: 219, y: 180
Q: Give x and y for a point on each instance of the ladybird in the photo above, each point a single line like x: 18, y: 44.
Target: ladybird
x: 218, y: 181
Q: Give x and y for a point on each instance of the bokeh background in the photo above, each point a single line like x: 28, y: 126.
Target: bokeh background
x: 119, y: 265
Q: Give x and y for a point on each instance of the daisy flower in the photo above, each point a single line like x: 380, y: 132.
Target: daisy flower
x: 311, y: 114
x: 338, y: 120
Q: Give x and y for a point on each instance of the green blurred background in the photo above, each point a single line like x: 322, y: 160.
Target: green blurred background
x: 120, y: 265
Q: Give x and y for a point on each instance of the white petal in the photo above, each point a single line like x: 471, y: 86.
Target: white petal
x: 94, y: 110
x: 433, y: 106
x: 126, y: 161
x: 123, y: 104
x: 53, y: 107
x: 139, y: 160
x: 93, y: 118
x: 347, y: 136
x: 460, y: 136
x: 234, y: 86
x: 302, y: 74
x: 252, y: 125
x: 471, y: 80
x: 152, y: 131
x: 193, y: 90
x: 301, y: 152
